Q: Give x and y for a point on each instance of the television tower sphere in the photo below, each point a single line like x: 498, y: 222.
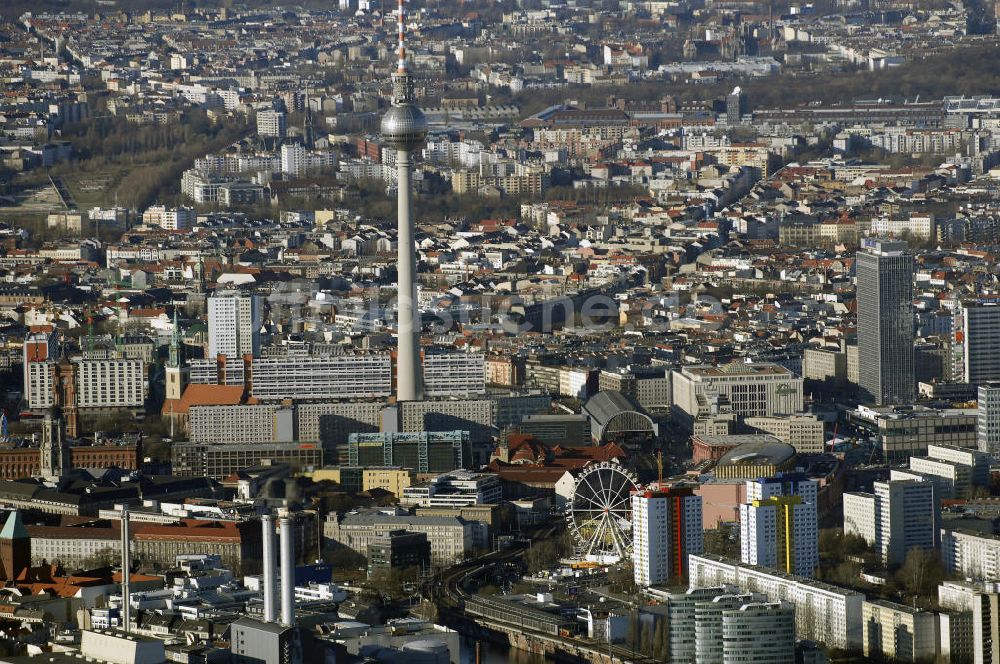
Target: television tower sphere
x: 404, y: 127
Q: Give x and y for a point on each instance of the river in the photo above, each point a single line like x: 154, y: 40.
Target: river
x: 492, y: 653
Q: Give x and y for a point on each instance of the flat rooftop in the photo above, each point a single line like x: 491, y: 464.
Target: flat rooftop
x: 738, y: 369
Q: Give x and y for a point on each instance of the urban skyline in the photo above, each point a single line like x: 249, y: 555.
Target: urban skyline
x: 620, y: 332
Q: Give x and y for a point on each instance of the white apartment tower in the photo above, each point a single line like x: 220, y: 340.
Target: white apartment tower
x: 293, y: 159
x: 988, y: 424
x: 779, y: 524
x: 978, y: 342
x: 171, y: 219
x: 900, y: 515
x: 234, y: 323
x: 666, y: 527
x: 272, y: 124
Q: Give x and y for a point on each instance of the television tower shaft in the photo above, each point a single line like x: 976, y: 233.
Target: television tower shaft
x: 404, y: 128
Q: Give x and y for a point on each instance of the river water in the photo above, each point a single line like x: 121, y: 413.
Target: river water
x: 492, y: 653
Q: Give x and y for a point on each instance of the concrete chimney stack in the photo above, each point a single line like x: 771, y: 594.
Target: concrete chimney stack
x: 287, y: 571
x: 270, y: 569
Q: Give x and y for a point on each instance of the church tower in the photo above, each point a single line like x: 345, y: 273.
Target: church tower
x: 176, y: 374
x: 64, y: 384
x: 55, y: 454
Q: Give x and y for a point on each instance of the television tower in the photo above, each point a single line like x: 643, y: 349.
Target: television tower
x: 404, y: 128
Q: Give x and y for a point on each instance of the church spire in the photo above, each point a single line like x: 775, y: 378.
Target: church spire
x: 174, y: 358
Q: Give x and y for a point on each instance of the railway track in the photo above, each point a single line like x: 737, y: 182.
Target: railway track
x: 449, y: 592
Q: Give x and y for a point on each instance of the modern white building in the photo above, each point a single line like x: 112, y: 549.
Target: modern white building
x: 752, y: 389
x: 458, y: 488
x: 322, y: 376
x: 824, y: 613
x: 977, y: 461
x: 779, y: 524
x: 575, y: 382
x: 920, y: 226
x: 971, y: 555
x: 234, y: 323
x: 988, y: 420
x: 682, y: 619
x: 951, y: 479
x: 900, y: 515
x: 666, y: 528
x: 293, y: 159
x: 970, y: 621
x: 171, y: 219
x: 111, y: 383
x: 454, y: 375
x: 900, y: 633
x: 979, y: 342
x: 38, y: 386
x: 272, y: 124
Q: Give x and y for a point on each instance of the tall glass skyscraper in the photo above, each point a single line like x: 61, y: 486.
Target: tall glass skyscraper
x: 885, y: 322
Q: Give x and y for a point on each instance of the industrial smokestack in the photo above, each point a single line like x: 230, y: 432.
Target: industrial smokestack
x: 270, y: 568
x: 126, y: 572
x: 287, y: 571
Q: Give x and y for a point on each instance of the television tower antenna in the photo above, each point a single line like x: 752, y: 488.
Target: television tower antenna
x: 404, y: 127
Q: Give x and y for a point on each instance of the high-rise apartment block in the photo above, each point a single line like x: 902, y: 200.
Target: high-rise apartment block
x: 899, y: 516
x: 778, y: 524
x: 970, y: 625
x: 977, y: 342
x: 666, y: 527
x: 988, y: 419
x: 899, y: 633
x: 955, y: 471
x: 971, y: 555
x: 885, y: 322
x: 823, y: 613
x: 112, y: 383
x: 293, y: 159
x: 234, y: 322
x: 171, y: 219
x: 39, y: 350
x: 272, y: 124
x: 454, y: 374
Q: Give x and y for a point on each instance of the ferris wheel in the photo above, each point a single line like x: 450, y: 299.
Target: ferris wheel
x: 600, y: 514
